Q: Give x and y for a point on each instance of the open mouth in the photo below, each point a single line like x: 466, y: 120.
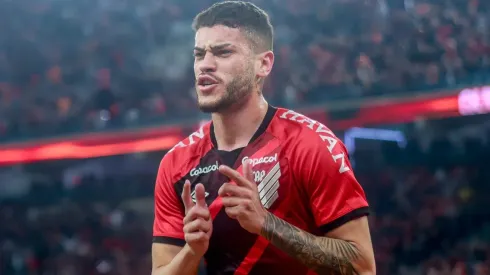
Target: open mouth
x: 206, y: 83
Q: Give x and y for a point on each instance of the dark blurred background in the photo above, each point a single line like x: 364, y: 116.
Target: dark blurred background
x: 93, y: 93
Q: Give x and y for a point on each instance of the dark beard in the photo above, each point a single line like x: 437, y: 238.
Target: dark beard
x: 238, y: 89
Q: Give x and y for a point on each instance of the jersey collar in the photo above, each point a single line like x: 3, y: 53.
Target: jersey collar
x: 271, y: 111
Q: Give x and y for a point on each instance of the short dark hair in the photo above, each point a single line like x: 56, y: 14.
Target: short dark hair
x: 245, y: 16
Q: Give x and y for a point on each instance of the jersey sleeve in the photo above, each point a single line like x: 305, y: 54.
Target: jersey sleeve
x: 169, y: 213
x: 335, y: 196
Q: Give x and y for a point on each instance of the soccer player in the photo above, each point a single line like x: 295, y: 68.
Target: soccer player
x: 259, y: 190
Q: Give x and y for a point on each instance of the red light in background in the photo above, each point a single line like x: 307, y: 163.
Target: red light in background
x: 467, y: 102
x: 74, y: 150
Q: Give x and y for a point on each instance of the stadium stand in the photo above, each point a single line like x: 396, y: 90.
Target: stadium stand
x: 71, y: 66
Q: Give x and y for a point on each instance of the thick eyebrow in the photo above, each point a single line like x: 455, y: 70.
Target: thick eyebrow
x: 213, y: 48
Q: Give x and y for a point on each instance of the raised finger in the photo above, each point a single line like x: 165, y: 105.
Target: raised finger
x: 200, y: 195
x: 186, y: 196
x: 234, y: 175
x: 247, y: 171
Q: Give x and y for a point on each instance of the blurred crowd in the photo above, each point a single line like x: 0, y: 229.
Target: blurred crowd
x: 86, y: 227
x: 430, y: 203
x: 71, y: 66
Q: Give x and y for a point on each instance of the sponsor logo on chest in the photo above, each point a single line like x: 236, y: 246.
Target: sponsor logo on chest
x: 266, y: 159
x: 204, y: 170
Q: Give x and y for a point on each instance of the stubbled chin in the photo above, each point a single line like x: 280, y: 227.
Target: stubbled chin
x: 208, y: 99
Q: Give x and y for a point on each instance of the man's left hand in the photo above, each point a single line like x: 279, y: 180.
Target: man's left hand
x: 241, y: 200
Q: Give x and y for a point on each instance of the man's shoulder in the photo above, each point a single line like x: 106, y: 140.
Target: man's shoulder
x: 302, y: 130
x: 312, y: 142
x: 193, y: 146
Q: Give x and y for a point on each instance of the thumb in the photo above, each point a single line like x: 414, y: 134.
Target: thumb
x: 186, y: 196
x: 200, y: 195
x: 247, y: 171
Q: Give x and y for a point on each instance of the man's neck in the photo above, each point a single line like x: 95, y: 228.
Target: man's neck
x: 235, y: 128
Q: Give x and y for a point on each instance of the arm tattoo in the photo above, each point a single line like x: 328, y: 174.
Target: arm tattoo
x: 321, y: 254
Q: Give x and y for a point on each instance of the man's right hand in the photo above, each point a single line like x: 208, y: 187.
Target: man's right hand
x: 198, y: 225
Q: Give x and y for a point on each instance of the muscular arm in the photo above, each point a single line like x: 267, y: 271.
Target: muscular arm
x: 346, y: 250
x: 171, y: 259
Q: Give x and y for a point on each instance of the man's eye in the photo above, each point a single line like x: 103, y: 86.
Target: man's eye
x: 224, y: 52
x: 198, y: 54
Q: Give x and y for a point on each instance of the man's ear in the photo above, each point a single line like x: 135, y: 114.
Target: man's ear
x: 265, y: 61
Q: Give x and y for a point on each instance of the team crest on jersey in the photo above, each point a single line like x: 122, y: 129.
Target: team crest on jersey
x: 267, y: 178
x: 269, y: 185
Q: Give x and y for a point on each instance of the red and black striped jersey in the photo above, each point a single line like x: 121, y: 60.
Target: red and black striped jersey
x: 303, y: 175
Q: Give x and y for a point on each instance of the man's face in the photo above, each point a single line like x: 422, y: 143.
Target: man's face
x: 224, y: 68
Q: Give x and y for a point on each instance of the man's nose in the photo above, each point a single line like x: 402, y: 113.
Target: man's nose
x: 208, y: 63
